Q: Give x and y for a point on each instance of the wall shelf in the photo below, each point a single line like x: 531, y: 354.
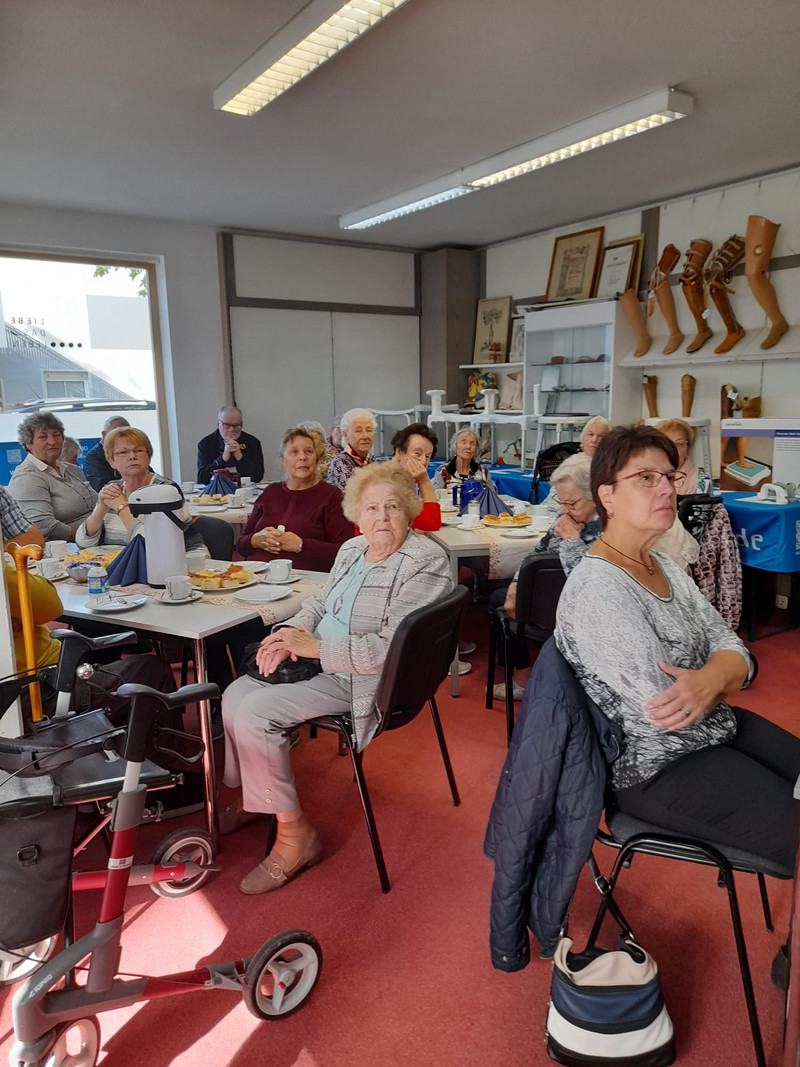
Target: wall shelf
x: 491, y: 366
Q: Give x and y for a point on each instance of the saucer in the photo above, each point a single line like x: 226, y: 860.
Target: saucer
x: 194, y: 595
x: 282, y: 581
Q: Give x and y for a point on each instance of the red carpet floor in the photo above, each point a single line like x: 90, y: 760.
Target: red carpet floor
x: 406, y: 977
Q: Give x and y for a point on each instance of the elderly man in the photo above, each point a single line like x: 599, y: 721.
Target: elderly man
x: 14, y: 525
x: 96, y: 467
x: 229, y: 448
x: 358, y: 433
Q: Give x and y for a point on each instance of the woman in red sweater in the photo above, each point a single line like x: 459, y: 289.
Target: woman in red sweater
x: 414, y: 447
x: 300, y: 518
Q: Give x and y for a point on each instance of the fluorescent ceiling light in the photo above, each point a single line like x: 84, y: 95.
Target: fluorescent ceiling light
x: 315, y: 34
x: 637, y: 116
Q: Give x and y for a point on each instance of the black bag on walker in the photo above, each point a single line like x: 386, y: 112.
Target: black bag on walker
x: 36, y: 847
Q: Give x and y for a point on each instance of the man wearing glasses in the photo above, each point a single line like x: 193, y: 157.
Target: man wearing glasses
x: 229, y: 448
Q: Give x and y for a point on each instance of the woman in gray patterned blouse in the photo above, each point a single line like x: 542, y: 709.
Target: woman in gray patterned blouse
x: 658, y: 659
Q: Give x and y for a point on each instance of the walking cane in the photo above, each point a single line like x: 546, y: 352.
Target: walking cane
x: 20, y: 554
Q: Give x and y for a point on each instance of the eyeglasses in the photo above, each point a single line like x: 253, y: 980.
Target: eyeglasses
x: 652, y: 479
x: 568, y: 504
x: 231, y: 425
x: 126, y: 453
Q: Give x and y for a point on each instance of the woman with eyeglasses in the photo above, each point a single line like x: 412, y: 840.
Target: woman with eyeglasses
x: 659, y: 660
x: 53, y: 495
x: 129, y: 452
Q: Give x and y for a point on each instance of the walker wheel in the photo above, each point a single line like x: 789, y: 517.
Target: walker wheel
x: 77, y: 1044
x: 182, y: 846
x: 22, y: 962
x: 282, y: 974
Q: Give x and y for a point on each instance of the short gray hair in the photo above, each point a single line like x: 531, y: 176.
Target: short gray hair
x: 598, y: 421
x: 42, y: 420
x: 577, y: 468
x: 311, y: 424
x: 351, y: 416
x: 113, y: 421
x: 380, y: 474
x: 460, y: 433
x: 71, y: 449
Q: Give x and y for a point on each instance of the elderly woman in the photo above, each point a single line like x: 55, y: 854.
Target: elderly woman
x: 677, y: 542
x: 658, y: 660
x: 300, y: 518
x: 575, y: 529
x: 682, y: 436
x: 463, y: 465
x: 591, y: 435
x: 324, y: 453
x: 414, y: 446
x: 54, y: 495
x: 129, y: 452
x: 376, y: 580
x: 358, y: 433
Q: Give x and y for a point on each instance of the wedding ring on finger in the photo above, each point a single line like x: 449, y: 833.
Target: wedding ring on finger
x: 685, y: 712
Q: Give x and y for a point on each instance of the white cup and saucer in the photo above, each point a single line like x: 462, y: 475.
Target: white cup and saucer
x: 280, y: 570
x: 470, y: 522
x: 50, y: 567
x: 55, y: 550
x: 178, y: 589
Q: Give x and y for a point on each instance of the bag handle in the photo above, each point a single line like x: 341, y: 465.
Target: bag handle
x: 626, y: 939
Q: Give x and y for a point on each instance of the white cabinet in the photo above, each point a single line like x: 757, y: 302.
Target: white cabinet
x: 572, y: 352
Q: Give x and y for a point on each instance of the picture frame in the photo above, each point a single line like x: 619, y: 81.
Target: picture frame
x: 616, y: 269
x: 636, y: 272
x: 492, y: 326
x: 516, y: 349
x: 573, y: 267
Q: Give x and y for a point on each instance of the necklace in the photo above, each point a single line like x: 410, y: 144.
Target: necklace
x: 647, y: 567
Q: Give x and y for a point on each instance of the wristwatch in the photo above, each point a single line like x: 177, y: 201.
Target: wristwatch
x: 300, y: 546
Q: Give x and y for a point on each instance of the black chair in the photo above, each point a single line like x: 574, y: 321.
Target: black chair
x: 217, y: 535
x: 629, y: 835
x: 541, y: 579
x: 417, y: 663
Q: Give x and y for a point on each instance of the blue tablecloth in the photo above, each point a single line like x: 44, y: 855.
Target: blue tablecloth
x: 511, y: 482
x: 768, y: 534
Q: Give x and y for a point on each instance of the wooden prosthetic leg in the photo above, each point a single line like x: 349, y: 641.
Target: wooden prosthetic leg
x: 633, y: 312
x: 692, y: 282
x: 718, y: 275
x: 659, y: 285
x: 688, y: 383
x: 759, y: 242
x: 650, y: 383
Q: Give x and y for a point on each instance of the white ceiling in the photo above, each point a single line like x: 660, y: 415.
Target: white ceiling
x: 106, y: 106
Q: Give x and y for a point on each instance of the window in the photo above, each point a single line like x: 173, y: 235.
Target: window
x: 65, y: 384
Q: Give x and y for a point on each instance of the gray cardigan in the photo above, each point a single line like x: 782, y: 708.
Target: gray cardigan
x: 417, y: 573
x: 55, y: 504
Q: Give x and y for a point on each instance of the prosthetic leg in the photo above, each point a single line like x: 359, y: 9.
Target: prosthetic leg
x: 718, y: 275
x: 659, y: 285
x: 692, y: 281
x: 650, y: 383
x: 632, y: 310
x: 759, y: 242
x: 688, y: 382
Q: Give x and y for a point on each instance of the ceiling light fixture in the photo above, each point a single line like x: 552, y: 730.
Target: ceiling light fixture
x: 637, y: 116
x: 318, y: 32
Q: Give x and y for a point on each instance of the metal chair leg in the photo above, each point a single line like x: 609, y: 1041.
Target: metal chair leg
x: 762, y: 888
x: 437, y: 724
x: 372, y: 829
x: 492, y: 659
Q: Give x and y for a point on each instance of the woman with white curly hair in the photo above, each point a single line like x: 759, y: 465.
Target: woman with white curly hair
x: 358, y: 433
x: 463, y: 464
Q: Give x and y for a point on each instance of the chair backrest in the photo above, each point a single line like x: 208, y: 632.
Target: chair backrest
x: 541, y: 579
x: 422, y: 649
x: 695, y: 512
x: 550, y: 458
x: 217, y: 535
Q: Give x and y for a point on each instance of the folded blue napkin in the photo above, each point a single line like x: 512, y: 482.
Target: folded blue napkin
x: 490, y: 503
x: 220, y: 483
x: 130, y: 566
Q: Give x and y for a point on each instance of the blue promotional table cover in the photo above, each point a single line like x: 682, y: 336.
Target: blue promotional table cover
x: 768, y: 534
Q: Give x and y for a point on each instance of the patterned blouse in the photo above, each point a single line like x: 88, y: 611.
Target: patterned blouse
x: 613, y: 631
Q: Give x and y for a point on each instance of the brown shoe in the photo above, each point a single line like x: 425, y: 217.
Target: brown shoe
x: 231, y: 819
x: 272, y: 872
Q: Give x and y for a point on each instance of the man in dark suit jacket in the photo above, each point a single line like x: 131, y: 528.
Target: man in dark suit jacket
x: 96, y: 468
x: 228, y: 447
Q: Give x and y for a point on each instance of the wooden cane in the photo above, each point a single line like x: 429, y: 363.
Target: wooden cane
x: 21, y: 554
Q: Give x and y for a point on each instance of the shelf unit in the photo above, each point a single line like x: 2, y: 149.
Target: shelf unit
x: 498, y: 369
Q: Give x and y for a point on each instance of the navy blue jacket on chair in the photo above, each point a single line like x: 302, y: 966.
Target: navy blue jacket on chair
x: 546, y: 810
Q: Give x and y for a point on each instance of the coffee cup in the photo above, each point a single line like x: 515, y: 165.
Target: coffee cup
x: 280, y: 569
x: 242, y: 497
x: 49, y: 568
x: 470, y: 522
x: 245, y: 481
x: 178, y: 587
x: 230, y: 499
x: 188, y: 488
x: 195, y: 561
x: 519, y: 508
x: 55, y: 549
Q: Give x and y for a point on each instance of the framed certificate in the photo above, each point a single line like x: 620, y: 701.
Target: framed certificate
x: 616, y: 269
x: 574, y: 265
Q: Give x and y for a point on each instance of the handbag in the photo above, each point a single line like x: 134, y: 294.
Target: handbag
x: 299, y: 670
x: 606, y: 1005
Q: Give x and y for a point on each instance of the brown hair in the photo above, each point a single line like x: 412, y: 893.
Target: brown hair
x: 616, y: 448
x: 137, y: 438
x: 402, y: 437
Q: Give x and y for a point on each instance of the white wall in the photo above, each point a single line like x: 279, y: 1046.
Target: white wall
x: 196, y: 378
x: 521, y: 268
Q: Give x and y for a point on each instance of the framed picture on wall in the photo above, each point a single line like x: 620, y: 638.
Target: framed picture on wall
x: 573, y: 267
x: 620, y: 267
x: 491, y: 330
x: 516, y: 351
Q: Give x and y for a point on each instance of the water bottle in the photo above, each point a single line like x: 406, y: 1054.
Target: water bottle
x: 97, y: 581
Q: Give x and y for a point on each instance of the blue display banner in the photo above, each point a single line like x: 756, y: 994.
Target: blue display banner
x: 768, y: 534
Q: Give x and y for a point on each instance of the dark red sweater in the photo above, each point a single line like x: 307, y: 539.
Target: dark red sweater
x: 314, y: 514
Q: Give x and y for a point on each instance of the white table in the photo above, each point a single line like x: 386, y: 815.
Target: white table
x: 194, y: 622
